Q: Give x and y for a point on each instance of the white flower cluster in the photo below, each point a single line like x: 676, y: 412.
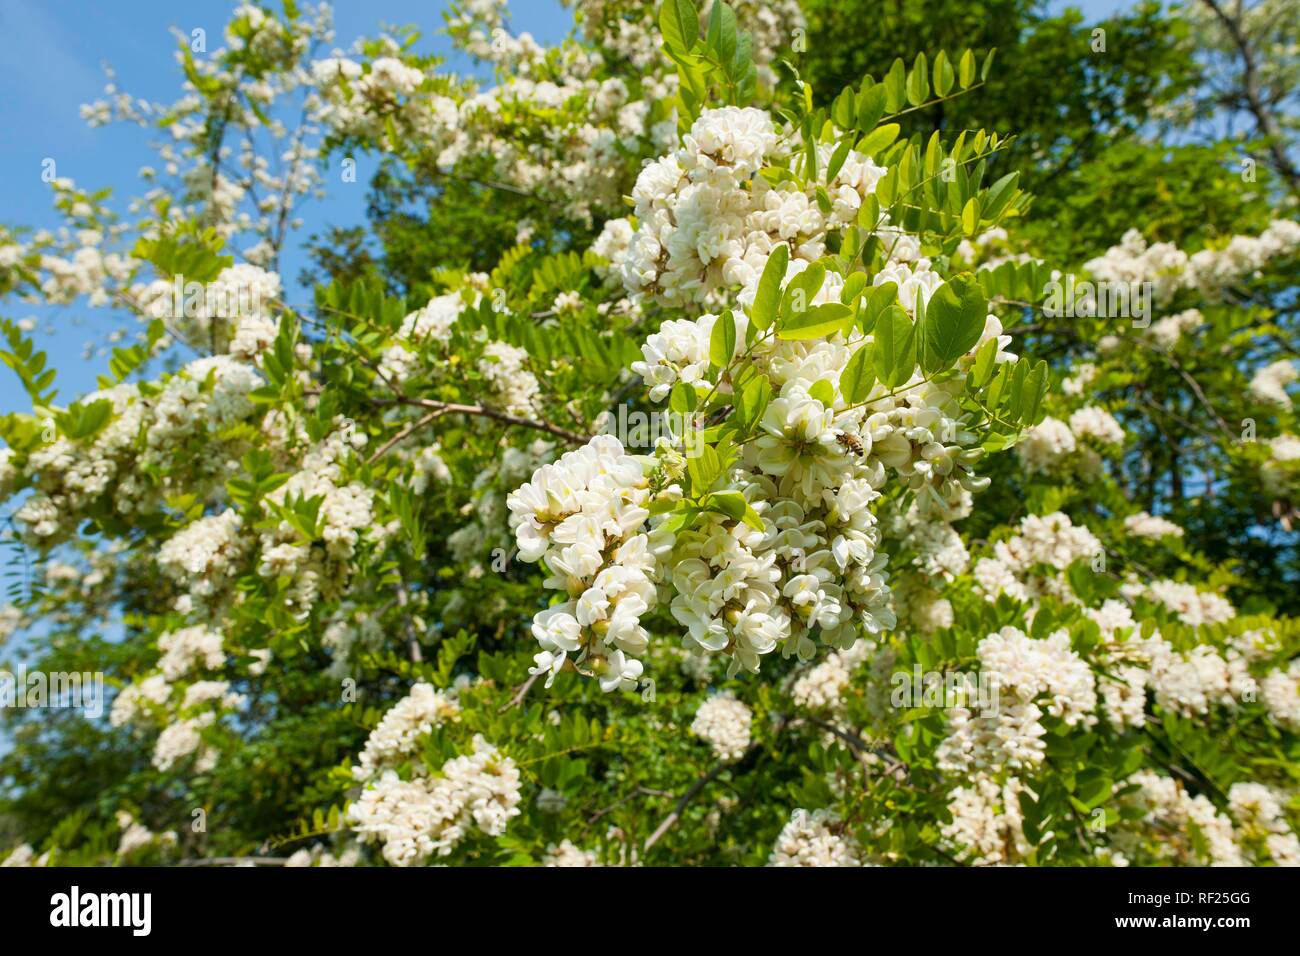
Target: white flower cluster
x: 424, y: 815
x: 138, y: 700
x: 205, y: 555
x: 25, y: 855
x: 1268, y: 385
x: 1184, y: 682
x: 1050, y: 540
x: 1051, y: 444
x: 189, y: 648
x: 565, y: 854
x: 724, y: 723
x: 822, y: 686
x: 1024, y: 673
x: 1169, y: 269
x: 1194, y: 608
x: 586, y: 124
x: 144, y: 435
x: 1143, y: 525
x: 136, y: 836
x: 584, y: 515
x: 986, y: 825
x: 183, y: 738
x: 232, y: 313
x: 813, y: 839
x: 319, y: 856
x: 1280, y: 692
x: 426, y: 327
x: 810, y: 476
x: 1092, y: 422
x: 1262, y: 823
x: 418, y: 818
x: 345, y: 519
x: 396, y: 735
x: 1168, y: 805
x: 506, y: 369
x: 1081, y: 376
x: 706, y: 220
x: 1279, y: 473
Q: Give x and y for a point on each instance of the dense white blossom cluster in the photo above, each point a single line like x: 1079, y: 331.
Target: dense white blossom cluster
x: 188, y: 649
x: 1143, y: 525
x: 1268, y: 385
x: 822, y: 686
x: 1280, y: 692
x: 1210, y: 270
x: 724, y: 723
x: 1050, y: 540
x: 706, y: 220
x: 205, y: 555
x: 1168, y: 805
x: 566, y: 854
x: 1280, y: 473
x: 427, y: 815
x: 1029, y: 678
x: 813, y: 839
x: 1053, y: 445
x: 1261, y: 823
x: 1193, y: 607
x: 144, y: 434
x: 986, y: 821
x: 585, y: 515
x: 396, y: 735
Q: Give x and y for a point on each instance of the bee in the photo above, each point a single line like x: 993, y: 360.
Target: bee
x: 849, y: 443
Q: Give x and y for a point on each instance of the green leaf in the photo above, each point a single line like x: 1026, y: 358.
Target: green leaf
x: 679, y: 22
x: 814, y: 323
x: 767, y: 297
x: 751, y: 402
x: 722, y: 340
x: 878, y: 139
x: 722, y: 32
x: 999, y: 195
x: 800, y: 290
x: 1036, y: 383
x: 894, y: 348
x: 858, y: 376
x: 704, y: 468
x: 853, y: 287
x: 982, y: 370
x: 870, y: 107
x: 838, y: 158
x: 895, y: 87
x: 918, y: 81
x: 1094, y: 788
x: 878, y: 299
x: 966, y: 69
x: 823, y: 391
x: 683, y: 398
x: 83, y: 421
x: 954, y: 322
x: 943, y: 75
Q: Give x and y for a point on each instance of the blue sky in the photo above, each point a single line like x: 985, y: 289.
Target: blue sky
x: 50, y: 64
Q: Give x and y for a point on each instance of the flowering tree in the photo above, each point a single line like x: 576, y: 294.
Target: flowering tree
x: 764, y: 498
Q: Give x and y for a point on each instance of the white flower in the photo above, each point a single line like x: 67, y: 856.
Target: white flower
x: 724, y: 723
